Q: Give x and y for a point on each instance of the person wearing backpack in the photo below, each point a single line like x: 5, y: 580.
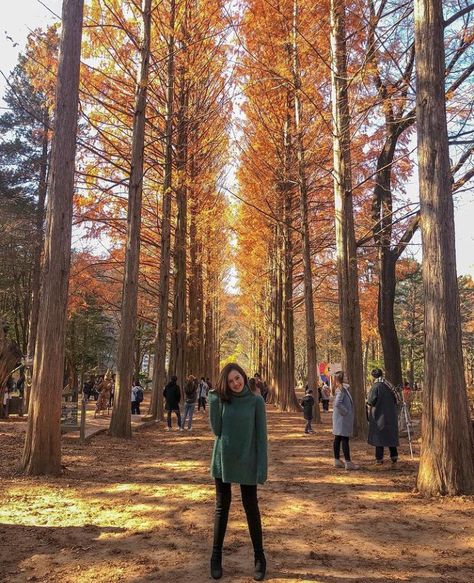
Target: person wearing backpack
x: 382, y: 404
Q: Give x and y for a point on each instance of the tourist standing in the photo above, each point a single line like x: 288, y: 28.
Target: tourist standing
x: 383, y: 418
x: 137, y: 398
x: 325, y: 397
x: 190, y: 397
x: 172, y: 395
x: 238, y: 420
x: 342, y: 423
x: 202, y: 394
x: 308, y: 404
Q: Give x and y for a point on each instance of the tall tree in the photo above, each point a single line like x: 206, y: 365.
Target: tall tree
x: 348, y: 282
x: 446, y: 460
x: 159, y: 362
x: 42, y: 451
x: 312, y: 362
x: 120, y: 425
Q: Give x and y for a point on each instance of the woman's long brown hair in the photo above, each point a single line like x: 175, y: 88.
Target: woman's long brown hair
x: 222, y: 388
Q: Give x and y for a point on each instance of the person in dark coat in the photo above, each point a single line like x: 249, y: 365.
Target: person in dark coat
x: 172, y: 395
x: 308, y: 403
x: 383, y: 418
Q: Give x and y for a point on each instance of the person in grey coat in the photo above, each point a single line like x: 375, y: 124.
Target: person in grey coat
x: 383, y: 418
x: 342, y: 423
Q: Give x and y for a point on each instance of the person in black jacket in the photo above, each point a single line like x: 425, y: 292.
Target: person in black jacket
x: 383, y: 418
x: 308, y: 403
x: 172, y: 395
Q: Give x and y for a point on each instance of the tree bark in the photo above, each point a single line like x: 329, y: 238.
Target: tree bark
x: 120, y: 424
x: 386, y: 320
x: 10, y: 354
x: 36, y: 274
x: 42, y: 451
x: 179, y: 327
x: 312, y: 374
x: 159, y: 368
x: 446, y: 460
x: 348, y: 283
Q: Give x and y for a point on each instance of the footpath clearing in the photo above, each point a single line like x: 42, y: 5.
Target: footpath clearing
x: 142, y: 510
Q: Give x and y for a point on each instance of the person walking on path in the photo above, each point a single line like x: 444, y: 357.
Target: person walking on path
x: 383, y: 419
x: 190, y: 397
x: 325, y: 397
x: 104, y: 388
x: 238, y: 420
x: 202, y: 395
x: 137, y: 398
x: 254, y: 387
x: 308, y: 403
x: 342, y: 423
x: 172, y: 395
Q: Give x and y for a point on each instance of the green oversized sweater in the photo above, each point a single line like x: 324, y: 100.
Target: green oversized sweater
x: 240, y: 448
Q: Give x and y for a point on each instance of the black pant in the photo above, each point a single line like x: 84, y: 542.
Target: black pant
x: 202, y: 403
x: 325, y: 404
x: 250, y: 503
x: 379, y: 453
x: 338, y: 439
x: 135, y: 408
x: 308, y: 427
x: 178, y: 415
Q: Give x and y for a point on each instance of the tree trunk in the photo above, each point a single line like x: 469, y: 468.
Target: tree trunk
x: 348, y: 283
x: 10, y: 354
x: 195, y: 302
x: 120, y: 424
x: 386, y: 320
x: 311, y: 355
x: 159, y: 368
x: 179, y: 328
x: 36, y: 275
x: 446, y: 460
x: 42, y: 451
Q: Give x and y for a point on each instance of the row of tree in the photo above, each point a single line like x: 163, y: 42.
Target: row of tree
x: 324, y: 139
x: 335, y: 121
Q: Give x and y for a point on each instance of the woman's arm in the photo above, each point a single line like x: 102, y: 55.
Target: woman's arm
x: 215, y: 413
x: 262, y: 448
x: 338, y: 403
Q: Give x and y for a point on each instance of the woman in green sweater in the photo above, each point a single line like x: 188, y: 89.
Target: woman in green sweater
x: 239, y: 456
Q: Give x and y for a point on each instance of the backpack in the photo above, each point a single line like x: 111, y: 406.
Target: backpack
x: 139, y: 396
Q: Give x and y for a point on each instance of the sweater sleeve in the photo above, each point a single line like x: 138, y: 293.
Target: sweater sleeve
x: 215, y: 413
x: 338, y: 403
x: 261, y: 435
x: 373, y: 396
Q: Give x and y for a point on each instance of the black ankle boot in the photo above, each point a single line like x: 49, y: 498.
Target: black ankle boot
x: 216, y: 565
x: 260, y: 567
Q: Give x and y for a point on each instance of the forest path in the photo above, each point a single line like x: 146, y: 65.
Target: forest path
x: 142, y: 511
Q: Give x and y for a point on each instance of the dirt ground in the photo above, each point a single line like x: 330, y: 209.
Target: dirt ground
x: 142, y: 510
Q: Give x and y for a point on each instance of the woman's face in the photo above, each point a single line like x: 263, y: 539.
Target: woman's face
x: 235, y: 381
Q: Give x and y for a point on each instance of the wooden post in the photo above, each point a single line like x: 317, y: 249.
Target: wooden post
x: 82, y: 437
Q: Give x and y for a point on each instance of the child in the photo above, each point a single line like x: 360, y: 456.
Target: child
x: 308, y: 403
